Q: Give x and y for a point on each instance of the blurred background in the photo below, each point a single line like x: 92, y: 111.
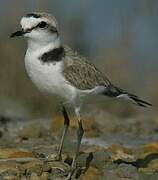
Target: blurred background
x: 118, y: 36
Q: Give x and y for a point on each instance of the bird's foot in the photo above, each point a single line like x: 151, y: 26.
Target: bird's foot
x: 72, y: 171
x: 76, y: 171
x: 54, y: 157
x: 70, y: 174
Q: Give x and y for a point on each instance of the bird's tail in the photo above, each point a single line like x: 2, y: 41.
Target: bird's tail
x: 120, y: 93
x: 135, y: 99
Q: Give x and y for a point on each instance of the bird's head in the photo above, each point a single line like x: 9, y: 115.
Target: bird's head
x: 38, y: 27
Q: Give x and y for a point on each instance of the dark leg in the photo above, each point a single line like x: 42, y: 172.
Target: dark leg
x: 66, y: 126
x: 80, y: 133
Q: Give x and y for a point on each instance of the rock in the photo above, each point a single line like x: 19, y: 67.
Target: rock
x: 58, y: 170
x: 149, y: 148
x: 46, y: 167
x: 120, y: 152
x: 123, y: 171
x: 44, y: 176
x: 33, y: 167
x: 8, y: 177
x: 59, y: 165
x: 28, y: 159
x: 92, y: 174
x: 100, y: 158
x: 151, y: 167
x: 9, y: 170
x: 7, y: 152
x: 21, y: 154
x: 45, y: 151
x: 148, y: 176
x: 127, y: 171
x: 81, y: 160
x: 15, y: 155
x: 55, y: 157
x: 34, y: 177
x: 23, y: 178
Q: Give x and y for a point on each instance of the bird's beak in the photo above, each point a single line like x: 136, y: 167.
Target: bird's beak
x: 17, y: 33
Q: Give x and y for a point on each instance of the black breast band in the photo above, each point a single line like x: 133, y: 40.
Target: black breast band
x: 53, y: 55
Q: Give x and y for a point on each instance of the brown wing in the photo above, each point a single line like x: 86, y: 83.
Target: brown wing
x: 81, y: 73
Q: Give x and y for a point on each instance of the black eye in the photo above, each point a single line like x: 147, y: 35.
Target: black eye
x: 42, y: 24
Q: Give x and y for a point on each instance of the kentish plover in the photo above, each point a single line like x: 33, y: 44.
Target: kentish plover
x: 56, y: 69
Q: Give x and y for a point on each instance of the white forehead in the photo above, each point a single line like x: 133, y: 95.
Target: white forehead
x: 29, y: 22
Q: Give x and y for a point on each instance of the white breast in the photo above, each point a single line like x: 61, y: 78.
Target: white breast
x: 48, y: 77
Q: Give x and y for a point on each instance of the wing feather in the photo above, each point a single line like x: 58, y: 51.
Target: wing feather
x: 81, y: 73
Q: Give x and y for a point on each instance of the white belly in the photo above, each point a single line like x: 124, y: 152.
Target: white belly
x: 48, y: 77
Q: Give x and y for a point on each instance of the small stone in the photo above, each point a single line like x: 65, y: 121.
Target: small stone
x: 11, y: 178
x: 54, y: 157
x: 92, y: 174
x: 46, y: 167
x: 7, y: 152
x: 21, y: 154
x: 81, y: 160
x: 9, y: 171
x: 44, y: 176
x: 34, y: 177
x: 9, y: 166
x: 152, y: 167
x: 59, y: 165
x: 148, y: 149
x: 148, y: 176
x: 23, y: 178
x: 99, y: 159
x: 127, y: 171
x: 34, y: 167
x: 123, y: 171
x: 120, y: 152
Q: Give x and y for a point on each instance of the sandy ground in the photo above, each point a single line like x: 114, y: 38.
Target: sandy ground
x: 112, y: 148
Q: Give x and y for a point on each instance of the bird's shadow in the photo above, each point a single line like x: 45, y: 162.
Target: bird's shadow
x: 139, y: 163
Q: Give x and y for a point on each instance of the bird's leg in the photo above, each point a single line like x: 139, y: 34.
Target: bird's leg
x: 80, y: 133
x: 66, y: 126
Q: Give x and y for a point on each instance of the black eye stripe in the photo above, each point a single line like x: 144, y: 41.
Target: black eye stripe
x: 42, y: 24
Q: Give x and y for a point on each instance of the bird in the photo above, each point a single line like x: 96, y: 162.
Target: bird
x: 57, y: 69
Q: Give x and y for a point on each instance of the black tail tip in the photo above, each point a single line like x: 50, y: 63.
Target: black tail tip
x: 141, y: 102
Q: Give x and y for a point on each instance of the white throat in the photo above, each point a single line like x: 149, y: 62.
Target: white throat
x: 48, y: 77
x: 40, y: 47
